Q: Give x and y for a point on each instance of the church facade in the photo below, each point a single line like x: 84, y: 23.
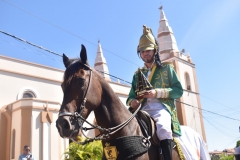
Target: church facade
x: 189, y: 105
x: 31, y: 97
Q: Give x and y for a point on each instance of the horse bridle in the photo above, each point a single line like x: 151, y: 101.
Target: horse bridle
x: 75, y: 114
x: 104, y: 132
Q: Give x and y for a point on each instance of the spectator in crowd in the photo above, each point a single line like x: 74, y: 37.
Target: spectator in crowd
x: 26, y: 155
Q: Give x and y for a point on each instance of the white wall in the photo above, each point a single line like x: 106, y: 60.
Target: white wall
x: 45, y: 81
x: 192, y: 113
x: 16, y: 124
x: 36, y: 139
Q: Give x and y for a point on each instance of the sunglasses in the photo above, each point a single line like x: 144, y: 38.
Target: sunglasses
x: 27, y: 149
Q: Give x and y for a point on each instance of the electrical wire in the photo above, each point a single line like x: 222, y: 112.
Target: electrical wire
x: 40, y: 47
x: 22, y: 40
x: 204, y: 117
x: 220, y: 103
x: 89, y: 43
x: 235, y: 140
x: 209, y: 111
x: 68, y: 32
x: 220, y: 130
x: 38, y: 52
x: 109, y: 74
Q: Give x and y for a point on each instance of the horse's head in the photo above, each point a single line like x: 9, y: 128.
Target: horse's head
x: 79, y: 96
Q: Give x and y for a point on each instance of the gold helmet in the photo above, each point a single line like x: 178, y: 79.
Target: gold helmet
x: 147, y: 40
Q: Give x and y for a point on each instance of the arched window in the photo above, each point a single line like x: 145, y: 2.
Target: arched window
x: 13, y: 143
x: 187, y: 82
x: 28, y: 94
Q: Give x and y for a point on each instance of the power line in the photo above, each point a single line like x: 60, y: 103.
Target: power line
x: 105, y: 50
x: 40, y: 47
x: 224, y: 133
x: 88, y: 42
x: 84, y: 40
x: 67, y: 31
x: 215, y: 126
x: 38, y: 52
x: 22, y: 40
x: 114, y: 76
x: 232, y: 141
x: 208, y: 111
x: 204, y: 117
x: 219, y: 103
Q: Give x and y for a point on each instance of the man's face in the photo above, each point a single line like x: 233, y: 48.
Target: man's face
x: 147, y: 56
x: 26, y: 150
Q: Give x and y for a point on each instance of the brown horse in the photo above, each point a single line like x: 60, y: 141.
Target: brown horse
x: 85, y: 90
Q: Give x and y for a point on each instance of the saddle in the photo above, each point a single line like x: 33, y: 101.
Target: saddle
x: 148, y: 127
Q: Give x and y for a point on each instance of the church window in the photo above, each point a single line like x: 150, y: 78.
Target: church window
x: 187, y: 82
x: 28, y: 94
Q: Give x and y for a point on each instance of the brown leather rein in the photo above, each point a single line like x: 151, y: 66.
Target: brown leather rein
x: 105, y: 133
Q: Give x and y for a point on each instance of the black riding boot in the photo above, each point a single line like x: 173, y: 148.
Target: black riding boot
x: 167, y: 146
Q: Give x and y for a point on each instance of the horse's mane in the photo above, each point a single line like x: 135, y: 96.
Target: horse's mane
x: 74, y: 66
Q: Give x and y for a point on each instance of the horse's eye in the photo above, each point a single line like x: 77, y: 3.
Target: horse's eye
x: 82, y: 72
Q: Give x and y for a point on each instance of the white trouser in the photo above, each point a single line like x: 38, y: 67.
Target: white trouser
x: 161, y: 116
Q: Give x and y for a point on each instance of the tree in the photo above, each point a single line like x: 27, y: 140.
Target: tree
x: 215, y: 157
x: 224, y: 156
x: 238, y: 143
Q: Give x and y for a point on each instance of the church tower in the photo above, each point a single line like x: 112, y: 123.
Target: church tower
x: 189, y: 111
x: 101, y: 64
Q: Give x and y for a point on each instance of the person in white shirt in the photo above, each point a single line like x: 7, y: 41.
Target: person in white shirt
x: 26, y: 155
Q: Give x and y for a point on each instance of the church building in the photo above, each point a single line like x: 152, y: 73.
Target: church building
x: 31, y: 97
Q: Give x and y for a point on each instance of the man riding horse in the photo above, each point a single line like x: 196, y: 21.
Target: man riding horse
x: 159, y: 101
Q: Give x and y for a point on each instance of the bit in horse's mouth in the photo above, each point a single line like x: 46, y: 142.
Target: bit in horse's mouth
x: 65, y: 130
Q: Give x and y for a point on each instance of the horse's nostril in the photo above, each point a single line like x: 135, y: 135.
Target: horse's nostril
x: 57, y: 124
x: 66, y: 124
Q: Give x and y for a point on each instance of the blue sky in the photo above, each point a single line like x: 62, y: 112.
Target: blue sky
x: 208, y: 30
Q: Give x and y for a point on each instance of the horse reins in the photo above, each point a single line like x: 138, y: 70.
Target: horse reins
x: 102, y: 135
x: 105, y: 132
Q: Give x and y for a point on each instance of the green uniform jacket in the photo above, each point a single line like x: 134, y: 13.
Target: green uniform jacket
x: 164, y: 77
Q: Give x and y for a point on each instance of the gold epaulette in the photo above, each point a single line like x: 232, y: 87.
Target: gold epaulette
x: 142, y: 69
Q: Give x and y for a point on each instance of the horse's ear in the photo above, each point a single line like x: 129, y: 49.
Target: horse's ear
x: 66, y: 60
x: 83, y: 55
